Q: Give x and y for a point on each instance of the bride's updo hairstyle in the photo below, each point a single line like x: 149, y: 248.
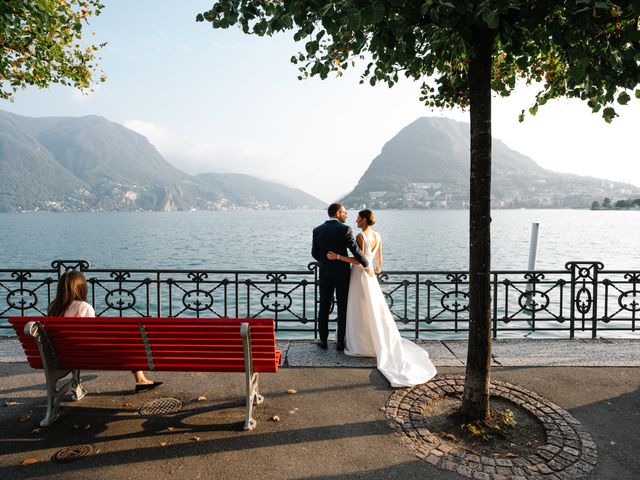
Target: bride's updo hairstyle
x: 367, y: 215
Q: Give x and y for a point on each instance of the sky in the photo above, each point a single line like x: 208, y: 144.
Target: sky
x: 219, y: 100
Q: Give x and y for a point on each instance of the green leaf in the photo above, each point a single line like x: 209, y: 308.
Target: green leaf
x: 638, y: 93
x: 609, y: 114
x: 623, y: 98
x: 311, y: 47
x: 491, y: 18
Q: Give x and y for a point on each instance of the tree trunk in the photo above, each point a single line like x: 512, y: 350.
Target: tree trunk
x: 475, y: 401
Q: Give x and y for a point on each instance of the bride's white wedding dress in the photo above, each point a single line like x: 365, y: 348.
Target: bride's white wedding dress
x: 372, y: 332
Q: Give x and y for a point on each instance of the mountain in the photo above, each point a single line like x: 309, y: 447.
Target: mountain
x: 426, y: 165
x: 247, y: 190
x: 90, y: 163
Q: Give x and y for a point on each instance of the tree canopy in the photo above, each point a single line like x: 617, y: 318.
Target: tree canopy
x: 461, y: 51
x: 41, y: 44
x: 582, y: 49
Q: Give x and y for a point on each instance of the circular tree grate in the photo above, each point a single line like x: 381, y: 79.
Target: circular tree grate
x: 570, y: 451
x: 161, y: 406
x: 69, y: 454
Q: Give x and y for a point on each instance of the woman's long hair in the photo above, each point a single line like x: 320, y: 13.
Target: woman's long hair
x: 71, y: 286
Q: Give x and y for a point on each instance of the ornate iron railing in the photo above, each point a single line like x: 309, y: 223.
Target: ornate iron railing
x: 583, y: 298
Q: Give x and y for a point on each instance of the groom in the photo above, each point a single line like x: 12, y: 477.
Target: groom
x: 334, y: 236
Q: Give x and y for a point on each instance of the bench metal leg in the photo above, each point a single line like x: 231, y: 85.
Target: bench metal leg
x: 252, y: 397
x: 53, y: 374
x: 55, y: 394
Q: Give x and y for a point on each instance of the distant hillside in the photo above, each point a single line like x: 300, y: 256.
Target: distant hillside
x: 90, y: 163
x: 426, y: 165
x: 247, y: 190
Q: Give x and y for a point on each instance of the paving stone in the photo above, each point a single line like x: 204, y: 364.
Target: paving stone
x: 504, y: 470
x: 466, y: 471
x: 567, y: 443
x: 481, y: 476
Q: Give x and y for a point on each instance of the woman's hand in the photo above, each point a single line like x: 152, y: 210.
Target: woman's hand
x: 332, y: 256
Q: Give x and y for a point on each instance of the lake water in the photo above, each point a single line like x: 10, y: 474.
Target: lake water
x: 413, y: 239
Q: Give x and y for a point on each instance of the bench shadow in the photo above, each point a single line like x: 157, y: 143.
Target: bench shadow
x: 242, y: 441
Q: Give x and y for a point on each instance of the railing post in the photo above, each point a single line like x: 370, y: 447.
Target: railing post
x: 585, y: 298
x: 417, y: 316
x: 158, y: 293
x: 495, y: 306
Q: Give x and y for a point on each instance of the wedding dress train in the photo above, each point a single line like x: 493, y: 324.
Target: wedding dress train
x: 372, y: 332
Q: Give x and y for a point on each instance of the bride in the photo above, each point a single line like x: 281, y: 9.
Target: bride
x: 371, y: 330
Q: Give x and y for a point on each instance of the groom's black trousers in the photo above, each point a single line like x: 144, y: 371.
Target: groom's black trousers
x: 327, y: 286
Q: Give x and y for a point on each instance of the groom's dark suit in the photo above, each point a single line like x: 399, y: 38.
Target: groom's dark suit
x: 334, y: 274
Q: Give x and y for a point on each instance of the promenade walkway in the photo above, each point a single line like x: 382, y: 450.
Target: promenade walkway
x: 333, y: 427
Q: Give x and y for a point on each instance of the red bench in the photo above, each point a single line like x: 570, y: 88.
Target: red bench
x: 63, y: 346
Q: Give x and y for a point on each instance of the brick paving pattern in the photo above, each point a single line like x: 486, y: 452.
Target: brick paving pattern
x: 570, y: 452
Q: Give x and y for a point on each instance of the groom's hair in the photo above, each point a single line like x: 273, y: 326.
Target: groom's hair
x: 333, y: 209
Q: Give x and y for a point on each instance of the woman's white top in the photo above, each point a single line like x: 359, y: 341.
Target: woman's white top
x: 80, y: 309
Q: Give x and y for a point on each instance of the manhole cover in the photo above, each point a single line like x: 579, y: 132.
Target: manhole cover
x: 161, y: 406
x: 69, y: 454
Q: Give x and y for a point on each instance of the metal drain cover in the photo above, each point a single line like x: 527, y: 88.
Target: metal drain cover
x: 69, y: 454
x: 161, y: 406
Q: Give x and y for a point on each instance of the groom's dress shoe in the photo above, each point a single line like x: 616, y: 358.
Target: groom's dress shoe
x: 339, y: 346
x: 143, y: 387
x: 322, y: 345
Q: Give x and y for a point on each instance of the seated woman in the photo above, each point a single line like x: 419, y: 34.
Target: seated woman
x: 71, y: 301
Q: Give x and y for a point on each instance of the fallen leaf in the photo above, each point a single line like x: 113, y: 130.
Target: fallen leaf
x: 201, y: 398
x: 292, y: 391
x: 382, y: 409
x: 29, y: 461
x: 533, y: 468
x: 171, y: 429
x: 195, y: 438
x: 612, y: 442
x: 275, y: 418
x: 36, y: 430
x: 510, y: 455
x: 24, y: 418
x: 226, y: 458
x: 87, y: 427
x: 10, y: 404
x: 450, y: 436
x: 163, y: 444
x: 97, y: 450
x: 127, y: 404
